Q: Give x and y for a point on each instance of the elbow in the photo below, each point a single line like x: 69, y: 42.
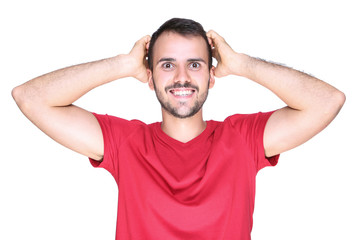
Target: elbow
x: 324, y: 113
x: 21, y: 98
x: 16, y: 93
x: 333, y: 104
x: 339, y: 100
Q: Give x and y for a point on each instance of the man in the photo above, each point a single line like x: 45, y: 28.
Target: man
x: 183, y: 178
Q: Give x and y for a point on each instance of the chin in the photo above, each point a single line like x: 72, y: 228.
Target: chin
x: 183, y: 114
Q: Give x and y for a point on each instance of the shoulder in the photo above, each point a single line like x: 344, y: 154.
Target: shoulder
x: 248, y: 118
x: 115, y: 126
x: 248, y: 122
x: 113, y: 120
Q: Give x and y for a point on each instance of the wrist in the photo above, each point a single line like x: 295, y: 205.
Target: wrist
x: 242, y: 62
x: 122, y: 64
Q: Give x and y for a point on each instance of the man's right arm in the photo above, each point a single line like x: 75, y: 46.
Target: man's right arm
x: 47, y: 100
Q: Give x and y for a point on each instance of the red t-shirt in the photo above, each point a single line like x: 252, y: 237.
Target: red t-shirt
x: 202, y: 189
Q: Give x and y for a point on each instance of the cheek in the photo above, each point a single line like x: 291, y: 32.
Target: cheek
x: 162, y: 77
x: 201, y: 76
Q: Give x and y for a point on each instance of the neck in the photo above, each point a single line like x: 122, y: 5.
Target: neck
x: 183, y: 129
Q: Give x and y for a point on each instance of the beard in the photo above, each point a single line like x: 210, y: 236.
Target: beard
x: 176, y: 110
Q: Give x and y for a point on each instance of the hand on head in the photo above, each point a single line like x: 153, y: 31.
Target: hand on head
x: 138, y: 57
x: 224, y: 55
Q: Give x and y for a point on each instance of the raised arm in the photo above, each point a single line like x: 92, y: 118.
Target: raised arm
x: 47, y: 100
x: 311, y: 103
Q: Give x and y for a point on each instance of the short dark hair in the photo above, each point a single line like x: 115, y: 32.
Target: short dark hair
x: 182, y: 26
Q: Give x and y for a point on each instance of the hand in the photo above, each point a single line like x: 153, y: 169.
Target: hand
x: 227, y: 59
x: 137, y: 57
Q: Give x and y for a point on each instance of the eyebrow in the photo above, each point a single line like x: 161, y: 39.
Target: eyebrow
x: 196, y: 60
x: 174, y: 60
x: 166, y: 60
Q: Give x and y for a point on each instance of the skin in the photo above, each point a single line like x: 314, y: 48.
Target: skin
x: 47, y: 100
x: 311, y: 103
x: 181, y: 60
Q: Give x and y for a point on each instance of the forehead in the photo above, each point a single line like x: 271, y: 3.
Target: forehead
x: 180, y: 47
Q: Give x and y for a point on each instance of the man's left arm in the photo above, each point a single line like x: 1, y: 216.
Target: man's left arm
x: 311, y: 103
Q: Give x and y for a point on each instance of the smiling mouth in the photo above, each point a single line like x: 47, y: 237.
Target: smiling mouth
x: 182, y: 92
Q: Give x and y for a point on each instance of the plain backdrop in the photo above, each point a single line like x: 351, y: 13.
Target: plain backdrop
x: 50, y: 192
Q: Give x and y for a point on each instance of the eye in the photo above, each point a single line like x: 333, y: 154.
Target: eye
x: 167, y: 66
x: 194, y: 65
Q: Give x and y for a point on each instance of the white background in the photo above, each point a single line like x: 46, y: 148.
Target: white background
x: 50, y: 192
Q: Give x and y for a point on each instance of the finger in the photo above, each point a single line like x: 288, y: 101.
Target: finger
x: 143, y: 41
x: 212, y: 35
x: 140, y: 45
x: 147, y: 39
x: 210, y: 41
x: 147, y: 46
x: 216, y: 39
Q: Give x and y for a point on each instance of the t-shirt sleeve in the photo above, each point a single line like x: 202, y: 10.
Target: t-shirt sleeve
x: 252, y: 127
x: 115, y: 132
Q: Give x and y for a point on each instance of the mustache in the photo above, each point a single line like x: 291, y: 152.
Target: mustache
x: 181, y: 85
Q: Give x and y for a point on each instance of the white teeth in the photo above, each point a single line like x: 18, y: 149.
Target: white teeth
x: 182, y: 93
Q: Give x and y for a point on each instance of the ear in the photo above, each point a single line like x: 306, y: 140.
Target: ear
x: 150, y: 79
x: 212, y: 77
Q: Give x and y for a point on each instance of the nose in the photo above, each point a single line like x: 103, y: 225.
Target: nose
x: 182, y: 76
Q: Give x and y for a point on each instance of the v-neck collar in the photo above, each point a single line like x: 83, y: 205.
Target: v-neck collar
x: 166, y: 138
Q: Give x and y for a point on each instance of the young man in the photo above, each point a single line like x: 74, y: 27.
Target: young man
x: 183, y: 178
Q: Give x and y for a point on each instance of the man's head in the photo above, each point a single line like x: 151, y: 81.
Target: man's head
x: 180, y: 63
x: 181, y: 26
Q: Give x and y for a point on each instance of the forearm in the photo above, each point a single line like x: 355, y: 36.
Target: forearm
x: 298, y: 90
x: 64, y: 86
x: 311, y: 103
x: 47, y: 100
